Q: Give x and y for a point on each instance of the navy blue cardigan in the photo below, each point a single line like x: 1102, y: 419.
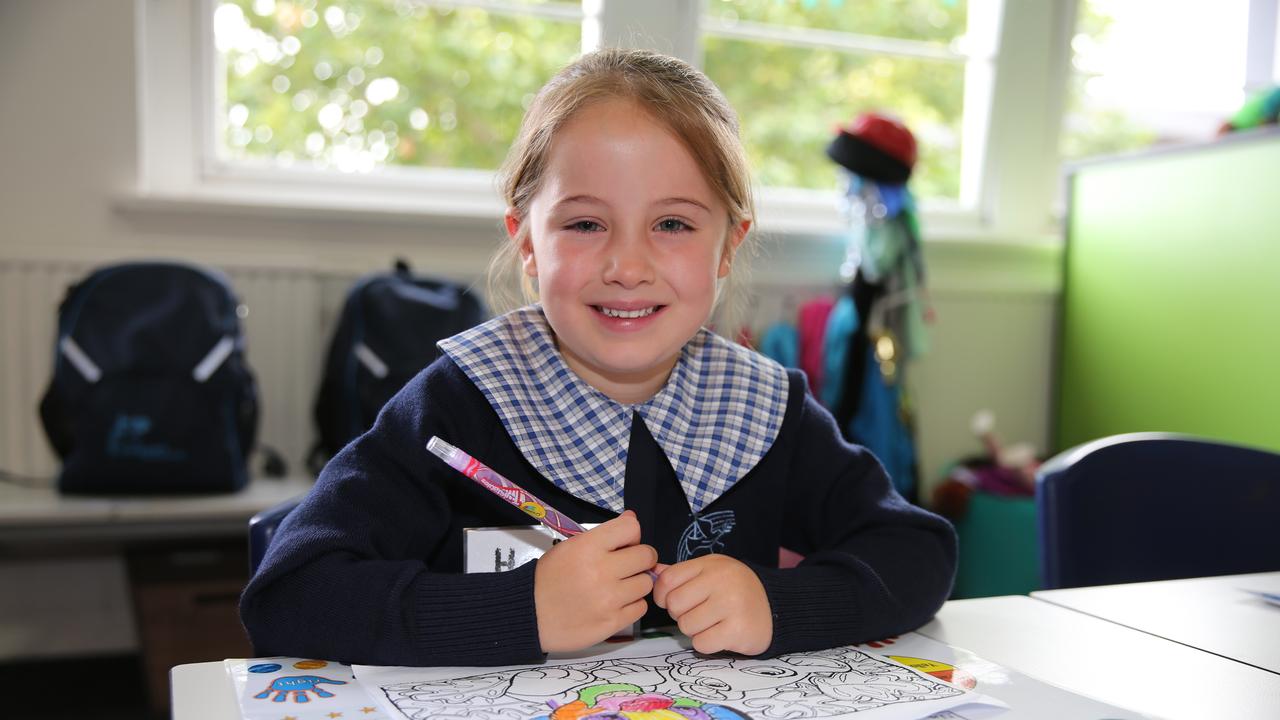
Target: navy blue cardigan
x: 368, y: 569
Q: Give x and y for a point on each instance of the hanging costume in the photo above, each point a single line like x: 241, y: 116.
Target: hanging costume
x: 731, y: 456
x: 886, y: 266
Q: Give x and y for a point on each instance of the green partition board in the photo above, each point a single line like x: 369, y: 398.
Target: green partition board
x: 1171, y: 296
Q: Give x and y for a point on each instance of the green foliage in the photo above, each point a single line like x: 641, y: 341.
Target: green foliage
x: 928, y: 20
x: 462, y: 79
x: 791, y: 99
x: 1088, y: 129
x: 303, y: 81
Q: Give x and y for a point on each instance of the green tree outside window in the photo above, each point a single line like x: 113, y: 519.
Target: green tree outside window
x: 356, y: 84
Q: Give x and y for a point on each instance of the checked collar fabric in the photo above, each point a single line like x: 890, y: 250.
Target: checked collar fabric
x: 716, y: 417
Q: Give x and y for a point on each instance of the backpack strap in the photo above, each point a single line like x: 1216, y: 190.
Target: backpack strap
x: 214, y: 359
x: 79, y: 360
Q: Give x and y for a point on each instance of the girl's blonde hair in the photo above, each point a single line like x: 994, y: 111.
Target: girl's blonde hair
x: 671, y: 91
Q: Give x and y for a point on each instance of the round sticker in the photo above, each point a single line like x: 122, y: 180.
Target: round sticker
x: 264, y: 667
x: 310, y: 664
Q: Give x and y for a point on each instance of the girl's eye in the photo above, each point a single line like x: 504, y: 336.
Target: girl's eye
x: 585, y: 226
x: 672, y: 225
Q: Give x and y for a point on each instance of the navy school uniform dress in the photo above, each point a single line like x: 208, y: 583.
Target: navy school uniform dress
x: 732, y: 456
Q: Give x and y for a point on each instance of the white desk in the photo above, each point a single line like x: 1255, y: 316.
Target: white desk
x: 1210, y: 614
x: 64, y: 589
x: 1085, y: 655
x: 42, y: 514
x: 1106, y: 661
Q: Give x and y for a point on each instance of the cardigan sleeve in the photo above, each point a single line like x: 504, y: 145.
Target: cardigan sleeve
x: 345, y: 576
x: 874, y: 565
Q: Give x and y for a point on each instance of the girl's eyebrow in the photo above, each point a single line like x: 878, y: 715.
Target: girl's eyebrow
x: 683, y: 201
x: 593, y: 200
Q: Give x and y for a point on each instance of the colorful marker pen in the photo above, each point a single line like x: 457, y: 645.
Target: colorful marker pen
x: 504, y: 488
x: 507, y: 490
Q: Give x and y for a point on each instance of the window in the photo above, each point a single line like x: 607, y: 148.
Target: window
x: 408, y: 106
x: 1131, y: 87
x: 797, y: 69
x: 357, y: 84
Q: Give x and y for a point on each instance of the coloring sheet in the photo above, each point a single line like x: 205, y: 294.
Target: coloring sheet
x: 291, y: 688
x: 662, y: 678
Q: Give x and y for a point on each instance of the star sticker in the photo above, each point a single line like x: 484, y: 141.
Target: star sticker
x: 335, y: 714
x: 290, y: 717
x: 366, y: 711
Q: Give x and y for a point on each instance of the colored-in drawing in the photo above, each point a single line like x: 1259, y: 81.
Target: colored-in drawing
x: 298, y: 686
x: 624, y: 701
x: 831, y: 683
x: 944, y: 672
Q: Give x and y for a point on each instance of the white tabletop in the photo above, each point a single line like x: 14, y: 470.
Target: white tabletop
x: 1106, y: 661
x: 29, y: 514
x: 1079, y: 653
x: 1212, y: 614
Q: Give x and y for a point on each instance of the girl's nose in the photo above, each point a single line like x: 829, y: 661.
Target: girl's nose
x: 628, y: 260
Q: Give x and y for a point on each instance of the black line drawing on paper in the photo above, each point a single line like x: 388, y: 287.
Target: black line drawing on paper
x: 835, y: 683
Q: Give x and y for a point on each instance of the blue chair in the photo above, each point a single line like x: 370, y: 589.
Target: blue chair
x: 1157, y: 506
x: 262, y: 527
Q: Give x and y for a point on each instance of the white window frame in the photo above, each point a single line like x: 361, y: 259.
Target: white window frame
x: 1007, y: 71
x: 1262, y: 62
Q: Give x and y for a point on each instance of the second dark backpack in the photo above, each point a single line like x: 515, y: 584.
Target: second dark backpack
x: 387, y: 333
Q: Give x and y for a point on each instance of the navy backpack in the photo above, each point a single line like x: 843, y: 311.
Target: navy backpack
x: 387, y: 334
x: 150, y: 391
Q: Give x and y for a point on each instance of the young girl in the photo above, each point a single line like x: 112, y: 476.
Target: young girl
x: 628, y: 200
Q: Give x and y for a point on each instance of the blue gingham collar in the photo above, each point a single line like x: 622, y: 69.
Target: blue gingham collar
x: 716, y: 417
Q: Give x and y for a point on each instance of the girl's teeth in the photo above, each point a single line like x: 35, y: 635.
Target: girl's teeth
x: 628, y: 314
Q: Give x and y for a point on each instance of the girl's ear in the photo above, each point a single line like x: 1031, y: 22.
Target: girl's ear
x: 736, y: 236
x: 524, y: 245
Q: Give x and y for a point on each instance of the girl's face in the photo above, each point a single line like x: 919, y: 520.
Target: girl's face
x: 627, y: 240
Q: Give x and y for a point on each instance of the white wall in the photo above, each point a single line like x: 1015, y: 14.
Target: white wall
x: 69, y: 169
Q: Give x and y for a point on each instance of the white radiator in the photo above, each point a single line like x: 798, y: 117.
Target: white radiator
x: 29, y: 295
x: 291, y: 313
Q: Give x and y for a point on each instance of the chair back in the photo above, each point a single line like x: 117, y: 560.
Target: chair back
x: 262, y: 527
x: 1157, y: 506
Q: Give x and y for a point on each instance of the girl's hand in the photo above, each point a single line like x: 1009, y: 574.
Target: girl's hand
x: 592, y: 585
x: 719, y: 602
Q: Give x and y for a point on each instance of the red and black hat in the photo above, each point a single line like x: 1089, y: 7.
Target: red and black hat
x: 876, y: 147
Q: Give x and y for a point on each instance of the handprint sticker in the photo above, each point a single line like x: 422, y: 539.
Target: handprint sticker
x: 298, y: 686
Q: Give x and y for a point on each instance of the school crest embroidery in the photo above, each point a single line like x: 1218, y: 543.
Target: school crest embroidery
x: 705, y: 535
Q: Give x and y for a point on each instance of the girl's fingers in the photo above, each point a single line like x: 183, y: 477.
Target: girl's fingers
x: 634, y: 560
x: 715, y: 638
x: 698, y: 619
x: 632, y: 613
x: 617, y: 533
x: 673, y: 577
x: 634, y: 588
x: 686, y: 597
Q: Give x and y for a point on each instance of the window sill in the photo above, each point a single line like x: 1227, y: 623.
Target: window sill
x: 801, y: 240
x: 469, y: 199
